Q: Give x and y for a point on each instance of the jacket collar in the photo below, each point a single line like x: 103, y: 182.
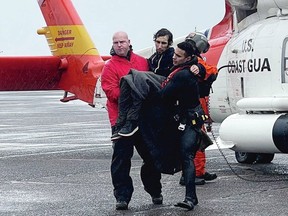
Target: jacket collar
x: 113, y: 53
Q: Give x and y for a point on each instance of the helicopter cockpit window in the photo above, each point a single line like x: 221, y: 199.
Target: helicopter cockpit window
x: 285, y: 62
x: 244, y: 8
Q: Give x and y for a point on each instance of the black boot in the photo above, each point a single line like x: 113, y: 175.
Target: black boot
x: 121, y: 205
x: 157, y: 200
x: 198, y: 181
x: 187, y: 204
x: 116, y: 129
x: 115, y: 136
x: 208, y: 176
x: 129, y: 128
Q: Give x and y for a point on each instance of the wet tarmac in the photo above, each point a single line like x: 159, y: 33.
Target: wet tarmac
x: 55, y: 160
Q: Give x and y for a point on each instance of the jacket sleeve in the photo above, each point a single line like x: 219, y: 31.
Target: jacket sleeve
x: 210, y: 69
x: 110, y: 83
x: 202, y: 71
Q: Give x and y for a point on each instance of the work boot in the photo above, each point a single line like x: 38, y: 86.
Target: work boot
x: 199, y: 181
x: 157, y: 200
x: 129, y: 128
x: 208, y: 176
x: 187, y: 204
x: 121, y: 205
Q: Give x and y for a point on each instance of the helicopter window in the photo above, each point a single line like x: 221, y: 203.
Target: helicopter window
x: 244, y: 4
x: 244, y: 8
x: 286, y: 56
x: 285, y: 62
x: 286, y: 65
x: 242, y: 14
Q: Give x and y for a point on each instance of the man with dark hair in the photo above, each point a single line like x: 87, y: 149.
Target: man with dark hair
x: 205, y: 83
x: 181, y: 87
x: 161, y: 61
x: 163, y: 32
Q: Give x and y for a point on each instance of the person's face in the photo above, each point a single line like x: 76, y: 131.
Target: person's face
x: 121, y: 44
x: 179, y: 57
x: 161, y: 44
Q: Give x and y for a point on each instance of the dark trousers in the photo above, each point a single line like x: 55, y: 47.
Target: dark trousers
x: 129, y: 104
x: 188, y: 147
x: 121, y: 165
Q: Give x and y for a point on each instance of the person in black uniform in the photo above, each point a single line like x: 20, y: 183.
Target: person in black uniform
x: 181, y: 88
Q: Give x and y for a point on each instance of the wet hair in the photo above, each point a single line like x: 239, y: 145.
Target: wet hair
x: 164, y: 32
x: 189, y: 48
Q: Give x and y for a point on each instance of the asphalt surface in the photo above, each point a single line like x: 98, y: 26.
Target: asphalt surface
x: 55, y: 160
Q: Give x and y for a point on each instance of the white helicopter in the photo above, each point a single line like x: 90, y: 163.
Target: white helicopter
x: 250, y: 96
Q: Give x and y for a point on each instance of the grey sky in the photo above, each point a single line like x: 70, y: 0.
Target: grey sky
x: 19, y: 21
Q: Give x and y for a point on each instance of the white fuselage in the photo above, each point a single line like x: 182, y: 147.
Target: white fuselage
x: 258, y: 57
x: 250, y: 96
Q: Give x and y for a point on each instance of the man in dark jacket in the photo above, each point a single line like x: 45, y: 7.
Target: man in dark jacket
x: 181, y: 87
x: 205, y: 83
x: 161, y: 61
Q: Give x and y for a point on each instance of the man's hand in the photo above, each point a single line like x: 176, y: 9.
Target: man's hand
x: 195, y: 70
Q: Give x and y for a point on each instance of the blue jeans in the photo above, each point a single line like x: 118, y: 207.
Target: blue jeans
x: 188, y: 147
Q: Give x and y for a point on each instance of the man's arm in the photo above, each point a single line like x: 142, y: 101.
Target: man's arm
x: 199, y: 70
x: 110, y: 83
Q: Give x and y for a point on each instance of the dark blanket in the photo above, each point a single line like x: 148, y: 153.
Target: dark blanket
x: 156, y: 123
x: 160, y: 135
x: 143, y: 83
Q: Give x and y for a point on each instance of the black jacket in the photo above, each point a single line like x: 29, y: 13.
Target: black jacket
x: 182, y: 88
x: 157, y: 124
x: 161, y: 64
